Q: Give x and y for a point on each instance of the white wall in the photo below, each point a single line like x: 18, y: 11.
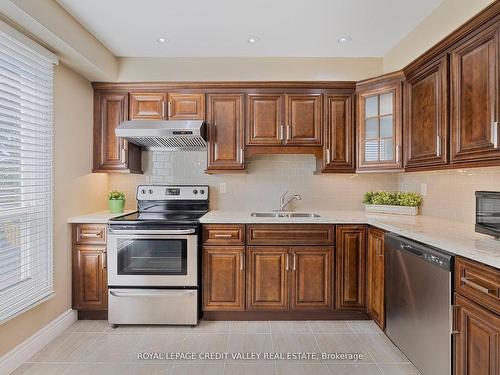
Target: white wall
x: 247, y: 69
x: 445, y: 19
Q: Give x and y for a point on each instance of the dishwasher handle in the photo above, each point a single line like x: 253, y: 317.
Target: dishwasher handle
x: 409, y: 248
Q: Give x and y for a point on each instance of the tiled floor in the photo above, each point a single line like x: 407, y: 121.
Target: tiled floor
x: 92, y: 347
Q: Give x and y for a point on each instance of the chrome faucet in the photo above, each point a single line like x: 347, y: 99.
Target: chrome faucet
x: 285, y: 202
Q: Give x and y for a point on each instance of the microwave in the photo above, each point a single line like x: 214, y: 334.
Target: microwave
x: 488, y: 212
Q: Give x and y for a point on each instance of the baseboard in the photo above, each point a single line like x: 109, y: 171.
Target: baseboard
x: 25, y: 350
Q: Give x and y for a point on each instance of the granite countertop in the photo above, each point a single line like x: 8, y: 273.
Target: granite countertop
x: 101, y: 217
x: 453, y: 237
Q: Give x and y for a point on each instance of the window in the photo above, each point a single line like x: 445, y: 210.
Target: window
x: 26, y: 84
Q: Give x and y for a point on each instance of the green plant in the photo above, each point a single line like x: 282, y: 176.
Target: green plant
x: 393, y: 198
x: 116, y: 195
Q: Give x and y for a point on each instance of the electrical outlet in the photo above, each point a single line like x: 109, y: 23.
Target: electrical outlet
x: 222, y: 188
x: 423, y: 189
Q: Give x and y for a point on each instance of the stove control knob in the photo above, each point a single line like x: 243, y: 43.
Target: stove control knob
x: 143, y: 191
x: 150, y: 191
x: 202, y: 191
x: 195, y: 191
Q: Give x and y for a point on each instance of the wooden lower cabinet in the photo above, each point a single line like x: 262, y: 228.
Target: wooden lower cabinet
x: 375, y: 299
x: 311, y: 278
x: 90, y: 286
x: 223, y: 278
x: 267, y: 278
x: 477, y: 343
x: 350, y: 259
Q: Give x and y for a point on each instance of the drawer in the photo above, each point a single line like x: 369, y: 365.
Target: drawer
x: 85, y: 234
x: 479, y: 282
x: 223, y: 234
x: 290, y: 234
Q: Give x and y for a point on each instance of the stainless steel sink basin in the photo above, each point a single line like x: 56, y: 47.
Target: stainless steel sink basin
x: 284, y: 214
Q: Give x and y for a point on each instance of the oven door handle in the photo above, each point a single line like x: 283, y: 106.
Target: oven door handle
x: 153, y: 293
x: 153, y: 231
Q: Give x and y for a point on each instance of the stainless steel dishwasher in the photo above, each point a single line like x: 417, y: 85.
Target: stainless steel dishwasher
x: 418, y: 303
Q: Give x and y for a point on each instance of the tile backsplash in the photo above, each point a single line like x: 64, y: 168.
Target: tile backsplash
x: 267, y: 178
x: 450, y: 193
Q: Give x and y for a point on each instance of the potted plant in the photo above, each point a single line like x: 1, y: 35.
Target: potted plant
x: 116, y: 201
x: 402, y: 203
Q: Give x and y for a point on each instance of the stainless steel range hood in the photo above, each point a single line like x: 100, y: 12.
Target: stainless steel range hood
x: 163, y: 134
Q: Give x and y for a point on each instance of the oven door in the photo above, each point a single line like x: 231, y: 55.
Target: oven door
x: 153, y: 258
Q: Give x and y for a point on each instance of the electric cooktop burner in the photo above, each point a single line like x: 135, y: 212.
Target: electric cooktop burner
x: 162, y: 205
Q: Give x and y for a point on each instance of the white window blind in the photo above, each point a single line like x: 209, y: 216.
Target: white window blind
x: 26, y: 95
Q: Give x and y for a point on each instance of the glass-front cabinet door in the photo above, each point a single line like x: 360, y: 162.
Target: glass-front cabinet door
x: 379, y: 125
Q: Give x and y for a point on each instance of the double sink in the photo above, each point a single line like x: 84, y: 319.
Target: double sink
x: 278, y: 215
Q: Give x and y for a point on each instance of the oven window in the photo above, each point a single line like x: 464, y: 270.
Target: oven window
x: 152, y: 257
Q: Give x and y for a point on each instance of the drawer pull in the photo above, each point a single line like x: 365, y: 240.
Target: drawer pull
x: 223, y: 235
x: 91, y: 235
x: 480, y: 288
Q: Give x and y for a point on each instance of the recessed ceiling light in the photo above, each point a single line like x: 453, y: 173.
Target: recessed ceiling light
x: 344, y: 39
x: 253, y: 40
x: 161, y: 40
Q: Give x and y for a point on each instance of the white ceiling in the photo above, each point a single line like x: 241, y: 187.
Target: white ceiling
x: 221, y: 28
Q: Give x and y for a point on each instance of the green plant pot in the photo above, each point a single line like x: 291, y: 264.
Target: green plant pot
x: 116, y: 205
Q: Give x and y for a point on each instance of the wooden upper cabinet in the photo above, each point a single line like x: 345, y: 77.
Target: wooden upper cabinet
x: 113, y: 154
x: 303, y: 119
x: 174, y: 106
x: 267, y: 278
x: 224, y: 278
x: 186, y: 106
x: 474, y: 99
x: 350, y: 267
x: 264, y: 126
x: 147, y: 106
x: 338, y: 134
x: 311, y: 278
x: 426, y: 115
x: 90, y: 287
x: 380, y: 123
x: 375, y: 276
x: 225, y: 132
x: 477, y: 343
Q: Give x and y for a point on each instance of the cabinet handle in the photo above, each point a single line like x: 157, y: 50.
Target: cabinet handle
x: 163, y: 109
x: 294, y: 257
x: 282, y: 129
x: 327, y: 156
x: 479, y: 288
x: 123, y: 155
x: 454, y: 319
x: 105, y: 260
x: 223, y: 235
x: 494, y: 134
x: 288, y: 132
x: 438, y: 146
x: 91, y: 235
x: 242, y: 155
x: 286, y: 266
x: 242, y: 262
x: 397, y: 153
x: 169, y: 109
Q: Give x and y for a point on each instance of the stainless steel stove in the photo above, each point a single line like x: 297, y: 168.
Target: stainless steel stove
x: 154, y: 257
